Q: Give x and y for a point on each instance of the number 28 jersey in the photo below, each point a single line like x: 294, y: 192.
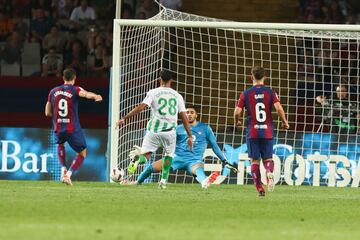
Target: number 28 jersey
x: 64, y: 104
x: 165, y: 105
x: 258, y: 101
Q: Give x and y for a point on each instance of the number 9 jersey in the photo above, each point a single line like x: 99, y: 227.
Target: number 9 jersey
x: 165, y: 105
x: 64, y: 104
x: 258, y: 101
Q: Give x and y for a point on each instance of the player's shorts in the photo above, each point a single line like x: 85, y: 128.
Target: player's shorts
x: 153, y: 141
x: 179, y: 164
x: 76, y: 140
x: 259, y: 148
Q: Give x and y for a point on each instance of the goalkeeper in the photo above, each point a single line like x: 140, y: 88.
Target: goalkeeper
x: 184, y: 158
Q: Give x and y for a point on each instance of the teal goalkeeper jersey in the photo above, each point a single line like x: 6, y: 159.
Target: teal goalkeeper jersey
x: 203, y: 135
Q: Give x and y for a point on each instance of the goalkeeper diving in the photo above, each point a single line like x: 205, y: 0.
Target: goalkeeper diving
x: 184, y: 158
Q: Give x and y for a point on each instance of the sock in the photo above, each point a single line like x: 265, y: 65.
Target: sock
x: 200, y: 174
x: 269, y: 165
x: 145, y: 173
x: 76, y: 164
x: 61, y: 155
x: 255, y: 172
x: 166, y: 167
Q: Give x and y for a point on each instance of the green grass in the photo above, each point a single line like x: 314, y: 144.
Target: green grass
x: 50, y: 210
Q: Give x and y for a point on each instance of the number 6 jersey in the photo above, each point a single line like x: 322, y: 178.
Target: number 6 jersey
x: 258, y: 101
x: 64, y: 104
x: 165, y: 105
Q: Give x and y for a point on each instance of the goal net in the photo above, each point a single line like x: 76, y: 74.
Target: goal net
x: 313, y: 68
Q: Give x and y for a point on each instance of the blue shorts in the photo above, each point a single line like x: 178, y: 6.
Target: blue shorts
x: 259, y: 148
x: 179, y: 164
x: 76, y: 140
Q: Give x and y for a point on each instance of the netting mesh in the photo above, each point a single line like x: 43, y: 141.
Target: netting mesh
x: 212, y: 67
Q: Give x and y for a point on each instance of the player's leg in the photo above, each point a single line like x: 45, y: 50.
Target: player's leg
x: 266, y: 155
x: 151, y: 168
x: 168, y: 141
x: 254, y: 155
x: 197, y: 169
x: 60, y: 139
x: 149, y: 145
x: 77, y: 142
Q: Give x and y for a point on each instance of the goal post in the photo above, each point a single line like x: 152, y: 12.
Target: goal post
x: 211, y: 60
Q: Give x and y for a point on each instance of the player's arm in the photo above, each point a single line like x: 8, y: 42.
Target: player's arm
x: 48, y: 112
x: 90, y: 95
x: 237, y: 116
x: 186, y: 124
x: 136, y: 110
x: 280, y: 111
x: 238, y: 110
x: 210, y: 136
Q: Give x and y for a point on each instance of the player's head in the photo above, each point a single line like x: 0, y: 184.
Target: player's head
x: 191, y: 113
x: 69, y: 75
x: 342, y: 91
x: 257, y: 74
x: 165, y: 76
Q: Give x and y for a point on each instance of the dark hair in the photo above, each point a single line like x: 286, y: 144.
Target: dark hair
x: 258, y: 72
x: 69, y: 74
x: 193, y: 107
x: 165, y: 75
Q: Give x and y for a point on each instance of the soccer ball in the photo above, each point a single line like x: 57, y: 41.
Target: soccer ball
x: 117, y: 174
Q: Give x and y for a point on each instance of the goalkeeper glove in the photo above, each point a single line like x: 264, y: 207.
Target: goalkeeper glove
x: 132, y: 167
x: 229, y: 165
x: 135, y: 152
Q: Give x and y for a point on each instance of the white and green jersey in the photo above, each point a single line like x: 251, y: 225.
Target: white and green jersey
x: 165, y: 105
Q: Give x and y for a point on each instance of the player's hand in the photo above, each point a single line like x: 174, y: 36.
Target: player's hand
x: 232, y: 167
x: 120, y: 122
x: 238, y: 123
x: 320, y: 99
x: 285, y: 125
x: 98, y: 98
x: 190, y: 142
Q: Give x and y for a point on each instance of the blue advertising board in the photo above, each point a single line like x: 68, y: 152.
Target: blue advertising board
x: 31, y: 154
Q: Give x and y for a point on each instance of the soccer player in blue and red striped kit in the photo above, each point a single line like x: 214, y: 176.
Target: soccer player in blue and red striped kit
x: 258, y: 101
x: 62, y: 106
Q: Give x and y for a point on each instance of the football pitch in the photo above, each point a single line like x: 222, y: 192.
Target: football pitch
x: 50, y: 210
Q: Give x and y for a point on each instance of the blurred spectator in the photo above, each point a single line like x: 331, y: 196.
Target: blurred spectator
x: 333, y: 13
x: 12, y: 50
x: 351, y: 19
x: 43, y: 4
x: 6, y: 6
x: 172, y: 4
x: 21, y: 26
x: 71, y: 38
x: 40, y: 26
x: 126, y: 12
x: 21, y: 6
x: 99, y: 62
x: 54, y: 39
x: 76, y: 59
x: 148, y: 8
x: 311, y: 10
x: 93, y: 39
x: 6, y: 25
x: 52, y: 63
x: 62, y: 8
x: 83, y: 12
x: 341, y: 114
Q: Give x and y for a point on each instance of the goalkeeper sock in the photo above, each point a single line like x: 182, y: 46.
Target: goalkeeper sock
x: 255, y: 172
x: 76, y: 164
x: 200, y: 174
x: 145, y: 174
x: 61, y: 155
x: 269, y: 165
x: 166, y: 167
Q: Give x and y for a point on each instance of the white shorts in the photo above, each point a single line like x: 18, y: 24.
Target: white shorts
x: 153, y: 141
